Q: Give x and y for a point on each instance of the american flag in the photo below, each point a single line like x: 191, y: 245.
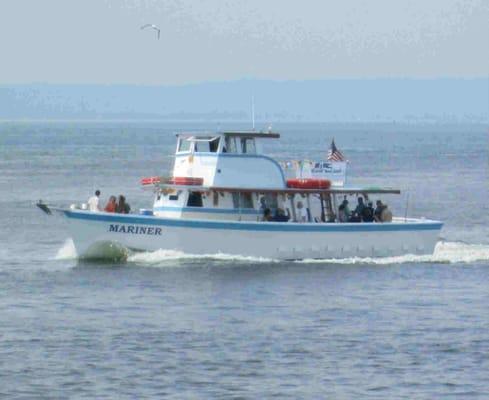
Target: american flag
x: 334, y: 154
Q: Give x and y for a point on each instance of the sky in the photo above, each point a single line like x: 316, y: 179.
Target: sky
x: 100, y: 41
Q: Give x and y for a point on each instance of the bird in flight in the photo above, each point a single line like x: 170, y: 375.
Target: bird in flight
x: 152, y: 26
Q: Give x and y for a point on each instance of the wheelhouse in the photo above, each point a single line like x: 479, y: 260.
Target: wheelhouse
x: 225, y: 176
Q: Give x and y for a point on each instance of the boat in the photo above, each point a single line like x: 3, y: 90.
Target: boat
x: 214, y: 201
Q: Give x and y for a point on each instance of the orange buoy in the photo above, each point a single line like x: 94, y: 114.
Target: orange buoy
x: 151, y: 180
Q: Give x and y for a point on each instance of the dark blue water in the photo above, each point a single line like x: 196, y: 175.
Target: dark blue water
x: 166, y: 324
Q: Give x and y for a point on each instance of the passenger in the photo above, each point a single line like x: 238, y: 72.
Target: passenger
x: 378, y: 211
x: 267, y: 215
x: 360, y: 206
x: 355, y: 217
x: 368, y: 213
x: 344, y: 211
x: 93, y: 202
x: 301, y: 212
x: 280, y: 216
x: 386, y: 215
x: 111, y: 205
x: 123, y: 207
x: 342, y: 215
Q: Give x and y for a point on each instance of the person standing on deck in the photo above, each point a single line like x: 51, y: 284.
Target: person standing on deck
x: 301, y: 213
x: 93, y: 202
x: 345, y: 211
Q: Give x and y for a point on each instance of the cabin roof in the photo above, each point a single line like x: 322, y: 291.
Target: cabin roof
x: 246, y: 134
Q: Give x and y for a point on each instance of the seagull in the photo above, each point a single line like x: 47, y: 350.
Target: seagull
x: 153, y: 27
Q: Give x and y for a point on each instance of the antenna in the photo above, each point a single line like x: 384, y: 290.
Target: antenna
x: 253, y: 111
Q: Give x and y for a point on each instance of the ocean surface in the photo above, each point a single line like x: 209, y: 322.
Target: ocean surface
x: 171, y: 325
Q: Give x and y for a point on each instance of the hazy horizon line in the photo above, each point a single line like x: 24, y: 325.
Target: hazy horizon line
x: 246, y: 79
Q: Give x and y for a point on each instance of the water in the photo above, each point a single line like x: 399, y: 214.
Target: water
x: 167, y: 324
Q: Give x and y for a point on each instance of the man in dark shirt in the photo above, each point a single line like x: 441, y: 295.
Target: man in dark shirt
x: 360, y: 206
x: 368, y: 213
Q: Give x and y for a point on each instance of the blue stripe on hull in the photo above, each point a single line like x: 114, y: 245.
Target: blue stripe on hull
x: 254, y: 226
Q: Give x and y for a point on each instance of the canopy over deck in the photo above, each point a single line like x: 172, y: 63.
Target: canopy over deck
x: 253, y: 134
x: 342, y: 190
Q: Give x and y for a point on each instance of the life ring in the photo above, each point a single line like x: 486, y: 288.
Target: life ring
x: 309, y: 183
x: 177, y: 180
x: 151, y: 180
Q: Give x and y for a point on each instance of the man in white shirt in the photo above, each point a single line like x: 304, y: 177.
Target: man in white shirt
x: 93, y: 202
x: 301, y: 212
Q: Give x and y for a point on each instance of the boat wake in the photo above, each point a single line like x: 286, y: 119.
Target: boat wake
x: 445, y: 253
x: 108, y: 252
x: 67, y: 251
x: 159, y: 257
x: 103, y: 251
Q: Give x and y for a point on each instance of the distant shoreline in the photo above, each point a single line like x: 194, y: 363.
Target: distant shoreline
x: 261, y: 125
x: 442, y: 100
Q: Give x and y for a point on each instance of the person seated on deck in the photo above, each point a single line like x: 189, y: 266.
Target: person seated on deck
x: 111, y: 205
x: 368, y: 213
x: 386, y: 215
x: 355, y: 217
x: 378, y: 211
x: 343, y: 215
x: 331, y: 218
x: 280, y: 216
x: 267, y: 215
x: 123, y: 207
x: 360, y: 206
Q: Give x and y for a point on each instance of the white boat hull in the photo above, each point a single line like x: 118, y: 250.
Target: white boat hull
x: 258, y: 239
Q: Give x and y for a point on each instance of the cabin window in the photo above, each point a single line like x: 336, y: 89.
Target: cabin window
x: 201, y: 147
x: 235, y: 200
x: 184, y: 145
x: 173, y: 197
x: 246, y: 200
x: 215, y: 199
x: 206, y: 145
x: 195, y: 199
x: 214, y: 145
x: 248, y: 146
x: 242, y: 200
x: 231, y: 145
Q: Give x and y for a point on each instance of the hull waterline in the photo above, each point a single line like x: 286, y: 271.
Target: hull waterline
x: 257, y: 239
